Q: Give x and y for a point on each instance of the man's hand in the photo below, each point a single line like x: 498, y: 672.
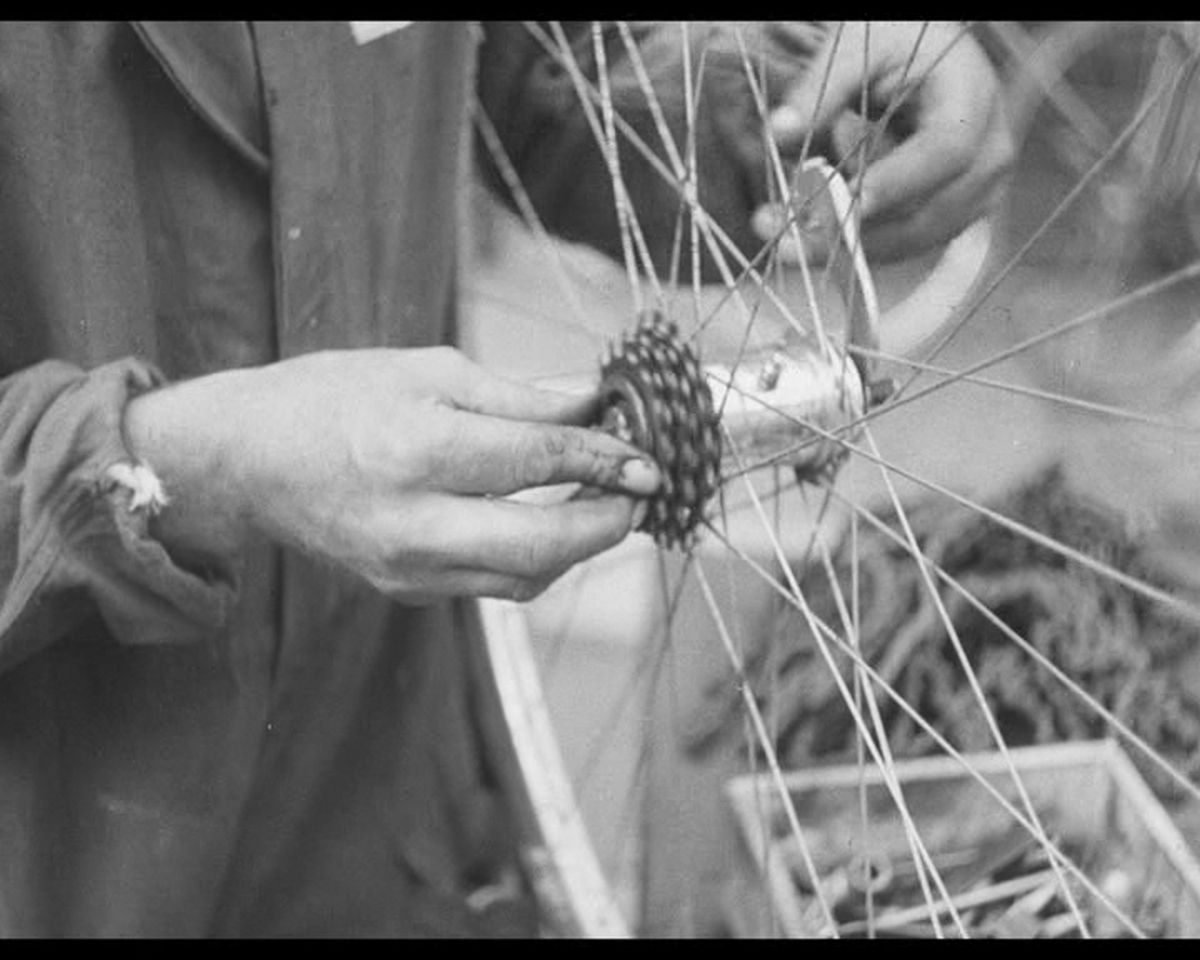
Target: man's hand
x: 954, y: 146
x: 393, y: 464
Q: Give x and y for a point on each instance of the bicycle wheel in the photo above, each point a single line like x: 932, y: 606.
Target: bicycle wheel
x: 830, y: 431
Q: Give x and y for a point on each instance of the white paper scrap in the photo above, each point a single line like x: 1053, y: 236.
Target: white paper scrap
x: 367, y: 30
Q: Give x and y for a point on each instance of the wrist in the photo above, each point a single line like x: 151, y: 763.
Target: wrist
x: 183, y: 434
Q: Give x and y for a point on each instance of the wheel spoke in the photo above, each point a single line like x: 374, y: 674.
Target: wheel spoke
x: 716, y: 239
x: 885, y: 766
x: 976, y: 689
x: 764, y: 744
x: 632, y: 241
x: 1033, y: 652
x: 529, y: 216
x: 1066, y: 680
x: 782, y: 183
x: 1024, y: 390
x: 1125, y: 137
x: 850, y: 624
x: 917, y: 718
x: 860, y: 690
x: 1022, y: 50
x: 1151, y: 592
x: 641, y: 679
x: 1133, y: 298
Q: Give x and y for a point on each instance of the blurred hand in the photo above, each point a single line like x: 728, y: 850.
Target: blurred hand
x: 950, y: 141
x: 393, y: 464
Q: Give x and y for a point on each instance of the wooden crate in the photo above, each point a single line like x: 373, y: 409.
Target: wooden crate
x: 1088, y: 795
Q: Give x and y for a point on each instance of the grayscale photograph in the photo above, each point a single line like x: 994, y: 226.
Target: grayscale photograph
x: 599, y: 479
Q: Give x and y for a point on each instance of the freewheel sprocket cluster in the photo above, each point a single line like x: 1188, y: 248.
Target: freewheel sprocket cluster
x: 655, y: 396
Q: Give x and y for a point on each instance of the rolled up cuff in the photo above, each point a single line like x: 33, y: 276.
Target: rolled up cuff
x: 101, y: 501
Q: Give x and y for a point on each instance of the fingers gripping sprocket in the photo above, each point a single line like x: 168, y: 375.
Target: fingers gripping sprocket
x: 656, y: 397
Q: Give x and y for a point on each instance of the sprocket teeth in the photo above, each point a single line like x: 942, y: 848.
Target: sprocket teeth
x: 655, y: 376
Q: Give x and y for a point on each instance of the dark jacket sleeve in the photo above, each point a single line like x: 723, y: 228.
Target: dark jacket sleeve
x: 72, y: 545
x: 527, y: 92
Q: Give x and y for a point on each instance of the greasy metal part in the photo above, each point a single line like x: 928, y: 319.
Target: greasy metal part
x: 770, y: 419
x: 772, y: 408
x: 776, y: 407
x: 655, y: 397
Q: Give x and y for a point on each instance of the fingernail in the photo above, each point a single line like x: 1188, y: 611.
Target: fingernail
x: 639, y: 477
x: 786, y: 121
x: 639, y: 514
x: 768, y: 221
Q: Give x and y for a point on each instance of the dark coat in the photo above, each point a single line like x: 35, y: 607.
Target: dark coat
x: 247, y: 781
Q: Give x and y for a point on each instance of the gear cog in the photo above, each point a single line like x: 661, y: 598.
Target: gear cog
x: 655, y: 396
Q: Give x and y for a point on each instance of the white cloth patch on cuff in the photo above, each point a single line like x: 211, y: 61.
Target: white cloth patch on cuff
x: 145, y: 489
